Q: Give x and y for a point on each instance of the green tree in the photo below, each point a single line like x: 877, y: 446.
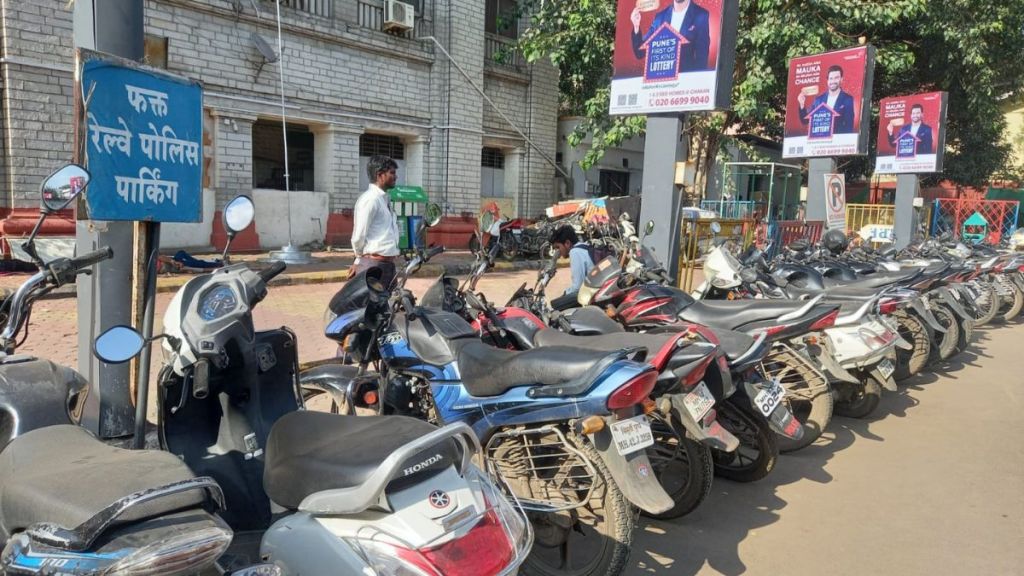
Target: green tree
x: 974, y: 49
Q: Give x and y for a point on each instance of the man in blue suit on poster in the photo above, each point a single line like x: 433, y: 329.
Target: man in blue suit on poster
x: 918, y: 128
x: 687, y: 18
x: 836, y: 98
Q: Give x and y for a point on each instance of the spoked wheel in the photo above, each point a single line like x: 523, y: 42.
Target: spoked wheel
x: 758, y: 450
x: 592, y: 539
x: 509, y: 246
x: 320, y: 401
x: 946, y: 342
x: 682, y: 466
x: 1012, y: 303
x: 987, y: 303
x: 808, y: 395
x: 862, y: 399
x: 913, y: 330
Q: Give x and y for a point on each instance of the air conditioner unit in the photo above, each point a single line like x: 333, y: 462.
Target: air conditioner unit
x: 399, y: 15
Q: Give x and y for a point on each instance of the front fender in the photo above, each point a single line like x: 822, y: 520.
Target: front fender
x: 918, y: 306
x: 632, y: 473
x: 954, y: 304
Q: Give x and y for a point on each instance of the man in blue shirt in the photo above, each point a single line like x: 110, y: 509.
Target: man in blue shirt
x: 568, y: 245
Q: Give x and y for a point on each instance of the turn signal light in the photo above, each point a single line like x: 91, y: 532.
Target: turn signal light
x: 633, y: 392
x: 648, y: 405
x: 370, y: 398
x: 591, y: 425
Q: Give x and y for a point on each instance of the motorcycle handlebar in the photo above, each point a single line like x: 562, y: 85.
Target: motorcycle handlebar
x: 434, y: 251
x: 201, y: 379
x: 267, y: 274
x: 79, y: 263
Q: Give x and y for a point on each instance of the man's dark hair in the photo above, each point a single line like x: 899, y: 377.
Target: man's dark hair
x: 919, y: 107
x: 835, y: 68
x: 378, y: 164
x: 564, y: 233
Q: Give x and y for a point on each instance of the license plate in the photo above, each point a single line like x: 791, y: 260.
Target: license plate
x: 768, y: 399
x: 632, y: 435
x: 699, y: 401
x: 886, y: 368
x: 517, y: 232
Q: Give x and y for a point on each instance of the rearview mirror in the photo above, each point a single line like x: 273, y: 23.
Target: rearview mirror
x: 432, y: 215
x: 118, y: 345
x: 716, y: 228
x: 63, y: 186
x: 239, y: 214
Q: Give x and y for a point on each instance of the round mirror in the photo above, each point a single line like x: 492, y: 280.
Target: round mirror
x: 238, y: 214
x: 118, y: 345
x: 432, y: 215
x: 63, y: 186
x: 716, y: 228
x: 486, y: 222
x: 649, y: 227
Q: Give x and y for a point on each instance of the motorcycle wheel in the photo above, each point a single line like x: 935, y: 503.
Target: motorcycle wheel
x: 946, y: 342
x: 474, y: 244
x: 808, y: 397
x: 545, y: 251
x: 988, y: 302
x: 682, y: 465
x: 509, y: 247
x: 864, y: 399
x: 608, y: 519
x: 1012, y: 304
x: 913, y: 330
x: 758, y: 450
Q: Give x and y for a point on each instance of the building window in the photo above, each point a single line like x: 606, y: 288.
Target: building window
x: 614, y: 183
x: 315, y: 7
x: 492, y: 158
x: 500, y: 18
x: 155, y: 51
x: 268, y: 156
x: 381, y: 145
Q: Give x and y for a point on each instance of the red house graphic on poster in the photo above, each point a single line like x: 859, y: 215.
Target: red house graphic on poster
x: 821, y: 121
x: 662, y: 51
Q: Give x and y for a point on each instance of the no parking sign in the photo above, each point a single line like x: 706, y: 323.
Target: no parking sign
x: 835, y: 201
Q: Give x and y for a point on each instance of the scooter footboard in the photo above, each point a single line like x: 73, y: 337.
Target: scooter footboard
x: 632, y: 473
x: 358, y: 498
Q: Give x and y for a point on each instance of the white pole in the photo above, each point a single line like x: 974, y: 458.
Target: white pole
x: 284, y: 121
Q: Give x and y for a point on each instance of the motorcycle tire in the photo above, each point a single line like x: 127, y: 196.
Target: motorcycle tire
x: 755, y: 437
x: 966, y: 333
x: 913, y: 330
x: 474, y: 244
x: 617, y: 525
x: 682, y: 465
x: 864, y: 401
x: 946, y: 343
x: 509, y: 247
x: 1012, y: 304
x: 808, y: 397
x: 988, y: 302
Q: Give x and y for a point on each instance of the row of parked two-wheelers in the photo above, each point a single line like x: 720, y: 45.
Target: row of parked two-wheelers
x: 468, y: 438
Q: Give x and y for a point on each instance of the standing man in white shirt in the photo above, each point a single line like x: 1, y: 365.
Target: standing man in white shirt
x: 375, y: 230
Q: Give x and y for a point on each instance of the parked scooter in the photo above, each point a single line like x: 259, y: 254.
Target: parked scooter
x: 563, y: 428
x: 310, y: 492
x: 70, y: 504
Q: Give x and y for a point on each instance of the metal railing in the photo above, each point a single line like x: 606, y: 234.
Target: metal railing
x: 314, y: 7
x: 860, y: 215
x: 502, y: 52
x: 697, y: 239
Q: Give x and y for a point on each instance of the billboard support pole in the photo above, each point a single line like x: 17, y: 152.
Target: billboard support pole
x: 816, y: 193
x: 908, y: 187
x: 663, y: 148
x: 105, y: 296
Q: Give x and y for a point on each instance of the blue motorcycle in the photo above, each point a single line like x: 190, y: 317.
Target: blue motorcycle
x: 564, y: 428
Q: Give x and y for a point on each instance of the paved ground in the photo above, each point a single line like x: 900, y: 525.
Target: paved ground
x: 931, y: 484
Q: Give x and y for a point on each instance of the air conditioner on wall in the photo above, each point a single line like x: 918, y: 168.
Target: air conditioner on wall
x: 398, y: 15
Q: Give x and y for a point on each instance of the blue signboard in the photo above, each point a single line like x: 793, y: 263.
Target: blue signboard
x: 822, y: 120
x: 144, y: 143
x: 906, y: 146
x: 662, y: 60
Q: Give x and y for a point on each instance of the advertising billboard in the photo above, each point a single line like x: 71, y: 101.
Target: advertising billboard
x: 673, y: 55
x: 911, y: 134
x: 828, y: 104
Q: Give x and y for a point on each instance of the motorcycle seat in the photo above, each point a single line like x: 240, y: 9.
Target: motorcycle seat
x: 487, y: 371
x: 63, y: 475
x: 652, y: 343
x: 876, y: 280
x: 838, y: 294
x: 734, y: 314
x: 733, y: 343
x: 311, y: 452
x: 590, y: 320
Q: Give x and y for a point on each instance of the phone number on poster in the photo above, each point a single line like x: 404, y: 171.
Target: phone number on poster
x: 680, y: 100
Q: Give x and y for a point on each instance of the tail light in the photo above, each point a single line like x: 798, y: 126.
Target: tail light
x: 826, y: 321
x: 1020, y: 268
x: 184, y: 554
x: 888, y: 306
x: 634, y: 391
x: 695, y: 371
x: 489, y: 548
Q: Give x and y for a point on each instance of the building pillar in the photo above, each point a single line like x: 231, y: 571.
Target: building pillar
x: 336, y: 172
x: 415, y: 162
x: 514, y: 180
x: 232, y: 173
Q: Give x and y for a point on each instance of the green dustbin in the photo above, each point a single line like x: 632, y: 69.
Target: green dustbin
x: 407, y: 201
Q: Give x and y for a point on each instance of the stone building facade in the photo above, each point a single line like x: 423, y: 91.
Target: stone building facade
x: 351, y: 89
